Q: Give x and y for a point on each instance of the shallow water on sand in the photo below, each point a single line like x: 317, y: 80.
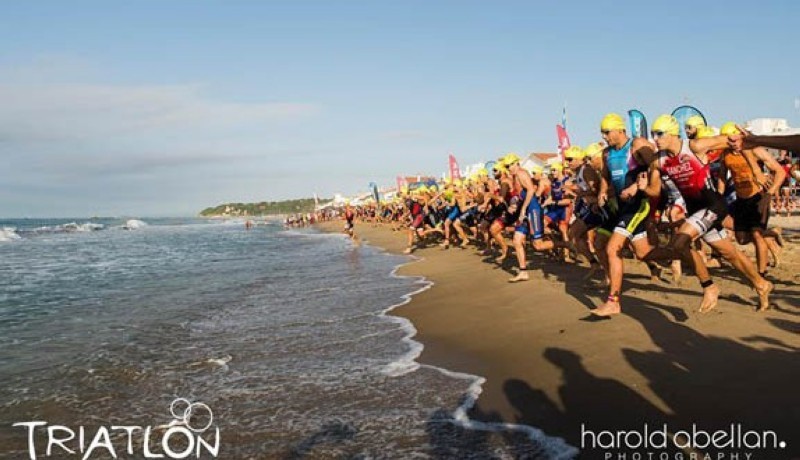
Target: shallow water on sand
x: 281, y: 333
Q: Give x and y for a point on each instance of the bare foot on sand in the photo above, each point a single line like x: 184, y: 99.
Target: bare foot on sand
x: 776, y: 252
x: 608, y: 309
x: 655, y: 273
x: 677, y: 272
x: 763, y: 295
x: 710, y: 298
x: 499, y: 260
x: 778, y: 235
x: 521, y: 276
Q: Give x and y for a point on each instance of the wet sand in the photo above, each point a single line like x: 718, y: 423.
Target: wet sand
x: 551, y: 365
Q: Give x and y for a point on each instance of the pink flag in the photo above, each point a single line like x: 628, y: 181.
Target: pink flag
x: 563, y: 140
x: 455, y: 173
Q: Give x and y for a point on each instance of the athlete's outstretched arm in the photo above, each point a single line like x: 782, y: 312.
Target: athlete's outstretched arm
x: 749, y: 140
x: 702, y: 146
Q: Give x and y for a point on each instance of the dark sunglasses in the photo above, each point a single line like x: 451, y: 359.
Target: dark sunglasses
x: 568, y: 159
x: 605, y: 132
x: 657, y: 134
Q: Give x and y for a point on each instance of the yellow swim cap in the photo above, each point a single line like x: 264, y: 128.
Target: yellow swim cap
x: 695, y: 121
x: 594, y: 149
x: 574, y: 152
x: 729, y: 129
x: 556, y: 167
x: 510, y: 159
x: 612, y: 121
x: 667, y: 124
x: 536, y: 169
x: 483, y: 172
x: 705, y: 132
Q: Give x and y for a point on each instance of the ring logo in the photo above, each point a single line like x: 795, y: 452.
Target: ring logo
x: 190, y: 429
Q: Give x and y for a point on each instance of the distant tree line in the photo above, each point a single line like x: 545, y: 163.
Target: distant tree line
x: 263, y: 208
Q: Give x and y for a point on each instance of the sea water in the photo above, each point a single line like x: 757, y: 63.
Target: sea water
x: 286, y: 335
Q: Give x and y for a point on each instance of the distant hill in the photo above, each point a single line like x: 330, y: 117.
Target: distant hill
x: 264, y: 208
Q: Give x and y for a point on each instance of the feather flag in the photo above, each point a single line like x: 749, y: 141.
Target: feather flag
x: 455, y: 173
x: 563, y: 140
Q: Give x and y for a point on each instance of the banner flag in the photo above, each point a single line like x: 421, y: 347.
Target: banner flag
x: 563, y: 140
x: 455, y: 173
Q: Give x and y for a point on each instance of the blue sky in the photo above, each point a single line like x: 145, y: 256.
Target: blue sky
x: 154, y: 108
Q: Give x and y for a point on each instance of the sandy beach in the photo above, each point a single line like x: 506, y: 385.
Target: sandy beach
x: 549, y: 364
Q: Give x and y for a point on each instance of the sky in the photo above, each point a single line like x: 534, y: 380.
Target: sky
x: 163, y: 108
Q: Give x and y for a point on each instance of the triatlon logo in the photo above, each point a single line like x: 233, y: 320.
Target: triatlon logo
x: 191, y: 421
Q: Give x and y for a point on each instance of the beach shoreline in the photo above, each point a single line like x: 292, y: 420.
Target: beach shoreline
x: 548, y: 365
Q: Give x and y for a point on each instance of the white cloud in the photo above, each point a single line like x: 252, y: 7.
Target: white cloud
x: 52, y: 112
x: 74, y: 141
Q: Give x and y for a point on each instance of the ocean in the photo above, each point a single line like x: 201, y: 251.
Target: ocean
x: 281, y: 338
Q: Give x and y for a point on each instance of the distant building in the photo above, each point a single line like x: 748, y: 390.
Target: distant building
x: 771, y: 126
x: 542, y: 160
x: 777, y: 126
